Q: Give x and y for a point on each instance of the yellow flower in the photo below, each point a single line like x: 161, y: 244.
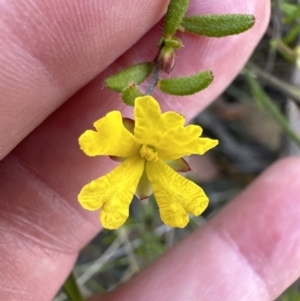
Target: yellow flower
x: 155, y: 142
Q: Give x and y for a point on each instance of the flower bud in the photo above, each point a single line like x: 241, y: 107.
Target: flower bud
x: 166, y: 59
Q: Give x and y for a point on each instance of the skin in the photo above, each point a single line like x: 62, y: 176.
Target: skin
x: 54, y: 51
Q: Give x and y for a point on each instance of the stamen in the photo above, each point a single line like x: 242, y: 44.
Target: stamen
x: 148, y: 153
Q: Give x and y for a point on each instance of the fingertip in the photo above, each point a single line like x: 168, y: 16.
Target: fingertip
x: 264, y: 223
x: 249, y: 251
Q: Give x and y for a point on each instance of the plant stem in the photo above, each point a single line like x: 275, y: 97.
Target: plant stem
x: 72, y: 290
x: 282, y: 86
x: 264, y: 99
x: 154, y: 78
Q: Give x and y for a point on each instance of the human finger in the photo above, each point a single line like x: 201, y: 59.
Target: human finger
x: 49, y: 170
x: 249, y: 251
x: 50, y: 49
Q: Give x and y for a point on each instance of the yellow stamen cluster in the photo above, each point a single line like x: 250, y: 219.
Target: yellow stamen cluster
x: 148, y: 153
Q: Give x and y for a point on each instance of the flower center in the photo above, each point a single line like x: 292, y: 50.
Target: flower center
x: 148, y: 153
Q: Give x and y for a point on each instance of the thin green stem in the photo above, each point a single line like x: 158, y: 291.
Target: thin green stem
x: 267, y: 102
x: 282, y: 86
x: 72, y: 290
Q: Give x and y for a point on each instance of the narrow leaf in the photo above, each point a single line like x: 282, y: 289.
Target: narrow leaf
x: 176, y: 11
x: 291, y: 10
x: 135, y: 74
x: 218, y: 25
x: 71, y: 288
x: 186, y: 85
x: 267, y: 102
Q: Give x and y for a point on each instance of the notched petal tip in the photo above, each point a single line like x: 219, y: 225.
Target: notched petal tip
x: 112, y: 138
x: 112, y: 220
x: 174, y: 217
x: 175, y: 195
x: 89, y: 143
x: 113, y: 193
x: 87, y: 197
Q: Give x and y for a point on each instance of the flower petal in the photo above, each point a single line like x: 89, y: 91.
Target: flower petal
x: 166, y: 132
x: 113, y: 192
x: 184, y: 145
x: 175, y: 195
x: 111, y: 138
x: 150, y: 125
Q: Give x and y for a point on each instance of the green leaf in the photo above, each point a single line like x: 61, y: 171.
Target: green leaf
x: 175, y: 13
x: 288, y: 8
x: 186, y: 85
x: 218, y: 25
x: 292, y: 11
x: 135, y: 74
x: 130, y: 93
x: 292, y: 34
x: 72, y: 290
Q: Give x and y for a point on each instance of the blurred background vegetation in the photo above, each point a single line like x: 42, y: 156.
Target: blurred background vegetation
x: 257, y: 120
